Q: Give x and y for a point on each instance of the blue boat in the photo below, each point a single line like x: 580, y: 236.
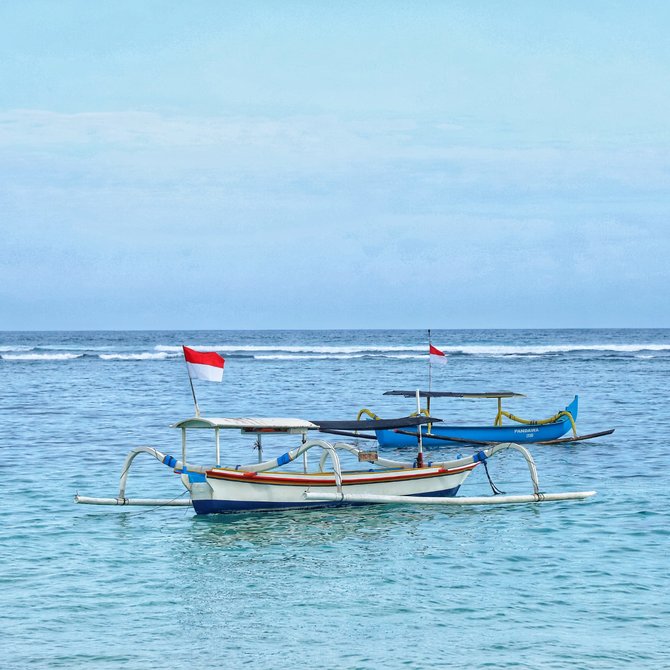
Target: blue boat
x: 436, y: 435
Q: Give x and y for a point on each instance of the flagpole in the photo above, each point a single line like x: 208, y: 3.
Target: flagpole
x: 430, y: 364
x: 190, y: 381
x: 430, y: 372
x: 195, y: 401
x: 206, y: 365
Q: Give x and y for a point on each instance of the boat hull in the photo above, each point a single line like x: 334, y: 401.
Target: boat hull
x: 226, y: 491
x: 519, y: 433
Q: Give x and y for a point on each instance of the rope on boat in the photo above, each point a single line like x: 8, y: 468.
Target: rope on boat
x: 376, y: 417
x: 481, y: 456
x: 423, y: 411
x: 369, y: 413
x: 494, y: 488
x: 537, y: 422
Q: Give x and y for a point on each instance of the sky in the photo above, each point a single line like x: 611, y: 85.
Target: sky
x: 215, y: 165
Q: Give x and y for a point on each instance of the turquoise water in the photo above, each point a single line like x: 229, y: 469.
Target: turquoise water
x: 562, y: 585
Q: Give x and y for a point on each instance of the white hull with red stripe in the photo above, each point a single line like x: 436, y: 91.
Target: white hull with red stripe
x: 227, y: 490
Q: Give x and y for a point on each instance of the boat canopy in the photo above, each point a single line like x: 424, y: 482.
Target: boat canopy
x: 457, y: 394
x: 250, y: 425
x: 376, y: 424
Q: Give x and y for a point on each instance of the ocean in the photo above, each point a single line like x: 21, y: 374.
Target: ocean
x: 578, y: 585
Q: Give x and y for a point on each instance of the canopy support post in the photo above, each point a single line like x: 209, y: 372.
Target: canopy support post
x: 419, y: 456
x: 498, y: 421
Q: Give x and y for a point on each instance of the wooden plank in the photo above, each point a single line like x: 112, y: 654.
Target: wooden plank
x: 579, y: 438
x: 445, y: 438
x: 562, y: 440
x: 363, y: 436
x: 377, y: 424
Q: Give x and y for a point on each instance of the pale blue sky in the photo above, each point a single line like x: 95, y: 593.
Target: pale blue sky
x: 324, y: 165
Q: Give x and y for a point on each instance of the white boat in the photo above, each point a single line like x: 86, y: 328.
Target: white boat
x: 291, y: 482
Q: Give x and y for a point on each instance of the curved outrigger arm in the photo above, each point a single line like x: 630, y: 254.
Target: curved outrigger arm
x: 481, y: 457
x: 121, y: 499
x: 185, y: 468
x: 328, y: 449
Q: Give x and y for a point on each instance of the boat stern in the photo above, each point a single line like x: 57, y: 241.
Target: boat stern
x: 573, y: 408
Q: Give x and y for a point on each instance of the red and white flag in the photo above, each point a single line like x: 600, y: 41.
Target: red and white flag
x: 204, y: 364
x: 436, y: 356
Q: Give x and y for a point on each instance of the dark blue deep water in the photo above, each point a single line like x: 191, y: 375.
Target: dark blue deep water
x: 563, y: 585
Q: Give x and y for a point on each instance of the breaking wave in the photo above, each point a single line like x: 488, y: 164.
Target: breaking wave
x: 303, y: 357
x: 539, y: 350
x: 295, y: 349
x: 471, y: 350
x: 40, y: 357
x: 146, y: 356
x: 288, y: 352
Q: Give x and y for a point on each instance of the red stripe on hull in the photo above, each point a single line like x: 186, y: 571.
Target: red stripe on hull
x: 329, y: 480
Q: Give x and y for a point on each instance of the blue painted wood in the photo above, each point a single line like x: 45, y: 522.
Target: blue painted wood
x: 521, y: 433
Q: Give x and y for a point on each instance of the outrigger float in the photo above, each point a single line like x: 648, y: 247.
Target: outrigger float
x: 543, y: 431
x: 290, y: 482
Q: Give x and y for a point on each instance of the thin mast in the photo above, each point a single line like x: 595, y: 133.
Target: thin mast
x: 430, y: 372
x: 419, y: 456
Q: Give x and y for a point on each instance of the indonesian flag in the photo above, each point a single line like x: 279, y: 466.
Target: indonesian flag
x: 204, y: 365
x: 436, y: 356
